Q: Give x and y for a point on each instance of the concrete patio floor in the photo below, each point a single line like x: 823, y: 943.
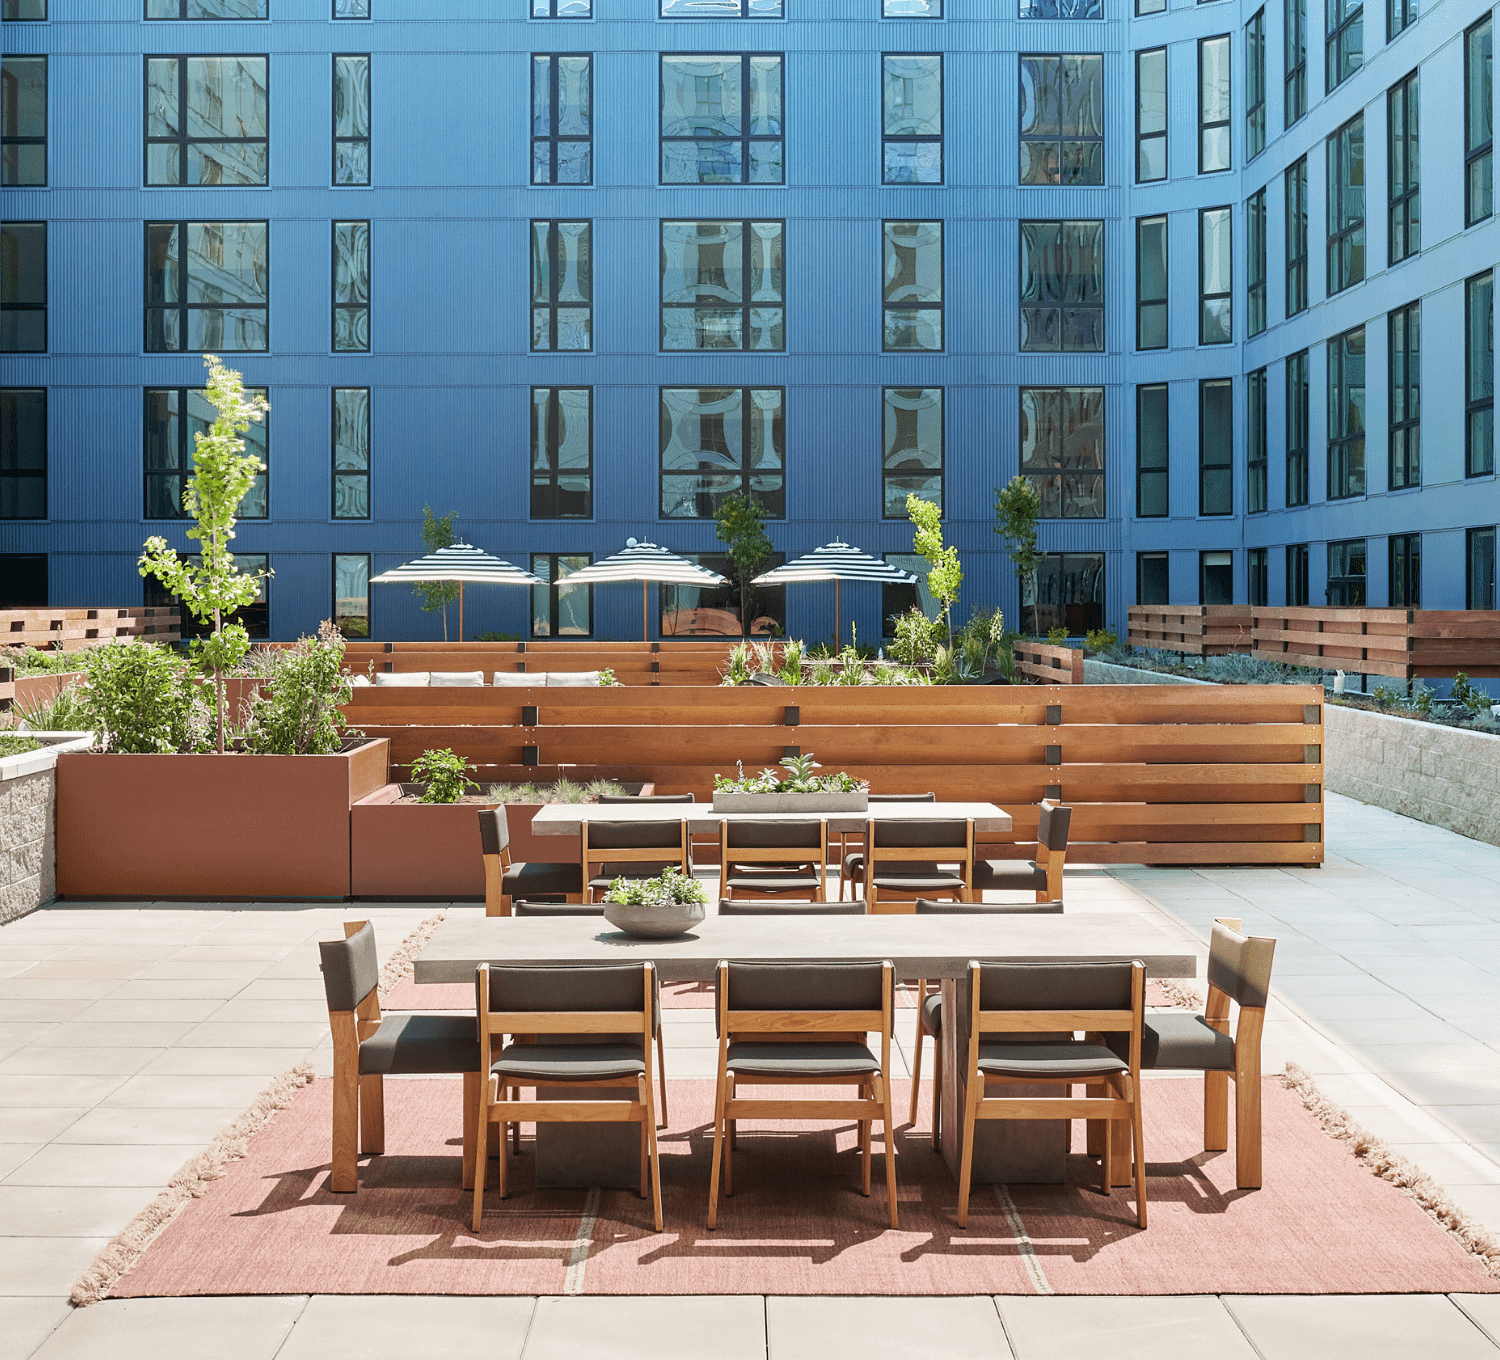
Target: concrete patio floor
x: 130, y: 1034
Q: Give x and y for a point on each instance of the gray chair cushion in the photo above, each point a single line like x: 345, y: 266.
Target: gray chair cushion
x: 613, y: 798
x: 759, y: 835
x: 924, y: 907
x: 1009, y: 875
x: 540, y: 879
x: 409, y: 1042
x: 906, y: 833
x: 662, y: 835
x: 805, y: 986
x: 729, y: 907
x: 1182, y: 1043
x: 557, y: 908
x: 1240, y: 964
x: 632, y: 869
x: 854, y: 866
x: 350, y: 968
x: 917, y: 878
x: 571, y: 987
x: 901, y: 798
x: 802, y: 1060
x: 569, y: 1062
x: 1052, y: 826
x: 932, y: 1015
x: 1075, y: 1059
x: 772, y: 882
x: 1055, y: 986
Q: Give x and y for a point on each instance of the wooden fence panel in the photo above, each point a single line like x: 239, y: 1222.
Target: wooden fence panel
x: 70, y: 629
x: 1402, y: 643
x: 1193, y: 629
x: 1051, y: 665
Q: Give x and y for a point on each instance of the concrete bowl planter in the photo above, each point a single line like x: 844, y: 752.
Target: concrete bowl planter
x: 211, y: 827
x: 791, y: 802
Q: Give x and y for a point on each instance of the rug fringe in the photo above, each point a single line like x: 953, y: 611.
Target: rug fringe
x: 1379, y: 1157
x: 192, y: 1178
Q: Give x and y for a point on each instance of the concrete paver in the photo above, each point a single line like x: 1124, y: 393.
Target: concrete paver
x: 965, y: 1328
x: 1174, y: 1328
x: 380, y: 1327
x: 666, y: 1327
x: 176, y: 1329
x: 1370, y: 1326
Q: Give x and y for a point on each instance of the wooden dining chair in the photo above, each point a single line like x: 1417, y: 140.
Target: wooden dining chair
x: 612, y: 850
x: 773, y: 859
x: 929, y: 1023
x: 849, y: 862
x: 901, y: 866
x: 1025, y: 1002
x: 369, y: 1046
x: 1042, y: 875
x: 505, y: 881
x: 803, y: 1024
x: 774, y: 906
x: 593, y: 1026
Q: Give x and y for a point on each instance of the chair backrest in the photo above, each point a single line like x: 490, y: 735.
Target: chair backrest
x: 645, y: 798
x: 351, y: 969
x: 918, y: 833
x: 787, y: 835
x: 839, y: 997
x: 755, y: 906
x: 556, y: 909
x: 1054, y: 987
x: 663, y: 835
x: 494, y: 830
x: 1052, y: 825
x: 925, y: 906
x: 902, y: 798
x: 1240, y: 965
x: 612, y: 998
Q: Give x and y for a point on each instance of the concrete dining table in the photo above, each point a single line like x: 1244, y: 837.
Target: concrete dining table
x: 929, y: 946
x: 567, y: 819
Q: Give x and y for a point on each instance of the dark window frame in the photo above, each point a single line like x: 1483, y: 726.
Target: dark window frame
x: 1141, y: 138
x: 1058, y: 138
x: 183, y: 141
x: 10, y: 139
x: 935, y: 10
x: 182, y: 15
x: 350, y: 310
x: 10, y: 305
x: 1255, y: 85
x: 1150, y: 479
x: 1297, y: 557
x: 182, y: 308
x: 551, y: 8
x: 744, y: 13
x: 10, y: 12
x: 1294, y: 187
x: 1257, y: 452
x: 1101, y: 307
x: 1481, y: 406
x: 1258, y: 577
x: 1340, y: 35
x: 746, y: 472
x: 16, y: 473
x: 554, y: 139
x: 351, y: 9
x: 369, y: 614
x: 744, y: 138
x: 1054, y: 566
x: 553, y: 587
x: 1479, y: 594
x: 1403, y: 150
x: 1347, y: 448
x: 1146, y: 8
x: 1141, y: 558
x: 1226, y: 295
x: 1222, y: 459
x: 548, y: 483
x: 1404, y: 575
x: 886, y: 473
x: 1294, y: 47
x: 339, y: 475
x: 185, y: 446
x: 1093, y: 478
x: 1352, y: 588
x: 746, y: 305
x: 914, y: 139
x: 553, y: 304
x: 1351, y: 234
x: 1399, y: 16
x: 1142, y: 302
x: 1478, y: 156
x: 1206, y: 125
x: 1255, y: 263
x: 339, y: 141
x: 1204, y: 565
x: 1404, y: 379
x: 940, y: 306
x: 1298, y: 425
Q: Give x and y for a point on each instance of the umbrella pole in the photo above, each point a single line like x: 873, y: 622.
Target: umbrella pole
x: 643, y: 611
x: 838, y: 627
x: 460, y: 611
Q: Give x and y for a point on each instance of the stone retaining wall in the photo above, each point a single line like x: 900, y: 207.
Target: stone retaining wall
x: 1106, y: 673
x: 28, y: 824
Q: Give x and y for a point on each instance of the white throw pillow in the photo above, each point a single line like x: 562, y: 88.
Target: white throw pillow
x: 403, y: 679
x: 518, y: 678
x: 458, y: 679
x: 360, y: 680
x: 572, y: 678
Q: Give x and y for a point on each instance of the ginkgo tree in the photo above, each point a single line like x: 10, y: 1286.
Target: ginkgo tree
x: 213, y: 588
x: 944, y: 574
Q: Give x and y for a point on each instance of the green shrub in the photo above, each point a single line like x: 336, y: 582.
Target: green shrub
x: 495, y: 637
x: 671, y: 886
x: 1057, y: 637
x: 916, y: 637
x: 1100, y: 640
x: 142, y: 699
x: 444, y: 775
x: 35, y: 661
x: 17, y: 743
x: 1471, y: 696
x: 607, y: 676
x: 64, y: 712
x: 298, y: 713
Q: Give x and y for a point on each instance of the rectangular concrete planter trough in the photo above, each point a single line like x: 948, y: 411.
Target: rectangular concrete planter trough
x: 210, y: 827
x: 791, y: 802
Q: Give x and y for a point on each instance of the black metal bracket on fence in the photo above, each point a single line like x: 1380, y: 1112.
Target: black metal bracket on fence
x: 1312, y: 755
x: 531, y: 755
x: 386, y: 665
x: 1312, y: 793
x: 529, y: 716
x: 1052, y: 755
x: 787, y: 751
x: 1054, y: 715
x: 656, y: 668
x: 390, y: 646
x: 520, y: 667
x: 656, y: 646
x: 1312, y: 713
x: 793, y: 715
x: 1053, y: 791
x: 521, y: 647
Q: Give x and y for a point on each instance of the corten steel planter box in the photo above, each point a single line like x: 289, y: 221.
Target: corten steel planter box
x: 791, y: 802
x: 210, y: 827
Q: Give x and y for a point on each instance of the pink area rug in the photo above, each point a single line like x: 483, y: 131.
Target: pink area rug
x: 796, y: 1224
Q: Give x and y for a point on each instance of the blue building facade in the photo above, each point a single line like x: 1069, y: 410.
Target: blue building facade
x: 1218, y: 277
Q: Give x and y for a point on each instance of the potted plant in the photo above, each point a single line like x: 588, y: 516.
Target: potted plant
x: 655, y: 908
x: 799, y: 791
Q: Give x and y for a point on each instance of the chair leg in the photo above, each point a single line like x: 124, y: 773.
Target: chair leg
x: 661, y: 1071
x: 1140, y: 1150
x: 649, y: 1128
x: 916, y: 1059
x: 865, y: 1141
x: 1247, y: 1170
x: 1107, y: 1160
x: 345, y: 1160
x: 471, y: 1126
x: 515, y: 1129
x: 481, y: 1164
x: 713, y: 1175
x: 372, y: 1115
x: 937, y: 1095
x: 502, y: 1176
x: 966, y: 1163
x: 1215, y: 1111
x: 648, y: 1110
x: 890, y: 1146
x: 731, y: 1141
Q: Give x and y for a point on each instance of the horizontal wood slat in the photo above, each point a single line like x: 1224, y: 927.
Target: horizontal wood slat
x: 1054, y: 665
x: 70, y: 629
x: 1405, y: 644
x: 1195, y: 630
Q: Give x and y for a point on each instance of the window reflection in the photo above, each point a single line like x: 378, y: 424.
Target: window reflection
x: 1062, y: 120
x: 912, y: 128
x: 351, y: 453
x: 562, y: 286
x: 562, y: 452
x: 1062, y: 286
x: 718, y: 442
x: 722, y: 286
x: 173, y: 416
x: 206, y: 120
x: 1062, y: 449
x: 911, y: 448
x: 211, y: 296
x: 562, y: 119
x: 721, y: 119
x: 913, y: 286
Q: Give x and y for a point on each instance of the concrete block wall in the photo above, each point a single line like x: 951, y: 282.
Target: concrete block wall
x: 28, y: 842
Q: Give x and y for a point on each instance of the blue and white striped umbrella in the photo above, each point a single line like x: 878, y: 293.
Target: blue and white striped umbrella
x: 836, y: 562
x: 461, y: 562
x: 644, y: 562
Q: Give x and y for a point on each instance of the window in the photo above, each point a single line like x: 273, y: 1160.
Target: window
x: 1346, y: 205
x: 1257, y: 563
x: 1399, y: 16
x: 718, y: 442
x: 911, y: 9
x: 1255, y: 85
x: 23, y: 121
x: 896, y: 599
x: 1151, y: 115
x: 1215, y: 578
x: 1479, y: 122
x: 912, y: 286
x: 351, y: 594
x: 1069, y: 593
x: 206, y: 9
x: 206, y: 120
x: 351, y: 286
x: 557, y: 608
x: 1152, y: 584
x: 912, y: 118
x: 1296, y: 575
x: 1061, y: 9
x: 1062, y: 286
x: 1215, y: 305
x: 1297, y: 436
x: 255, y: 617
x: 1145, y: 7
x: 351, y: 453
x: 17, y: 11
x: 1216, y: 446
x: 1295, y: 44
x: 207, y: 287
x: 721, y: 120
x: 173, y: 416
x: 562, y: 285
x: 562, y: 453
x: 911, y: 447
x: 1213, y: 104
x: 351, y: 119
x: 1151, y: 282
x: 1346, y: 574
x: 1479, y: 562
x: 1403, y: 162
x: 1479, y: 380
x: 23, y: 287
x: 562, y: 118
x: 23, y: 453
x: 723, y: 286
x: 1346, y: 414
x: 1062, y: 120
x: 1296, y: 237
x: 1255, y: 442
x: 720, y: 9
x: 1344, y: 45
x: 1405, y: 387
x: 1406, y: 571
x: 560, y: 9
x: 351, y: 9
x: 1152, y: 452
x: 1062, y: 449
x: 714, y: 611
x: 23, y: 580
x: 1255, y: 263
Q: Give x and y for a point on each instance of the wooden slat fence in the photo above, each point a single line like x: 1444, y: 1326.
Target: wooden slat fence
x: 1052, y: 665
x: 634, y: 663
x: 1193, y: 629
x: 69, y: 629
x: 1157, y: 774
x: 1406, y: 644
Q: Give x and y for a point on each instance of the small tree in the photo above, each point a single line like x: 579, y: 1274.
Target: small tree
x: 739, y: 525
x: 214, y: 587
x: 1018, y: 506
x: 437, y: 532
x: 944, y: 576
